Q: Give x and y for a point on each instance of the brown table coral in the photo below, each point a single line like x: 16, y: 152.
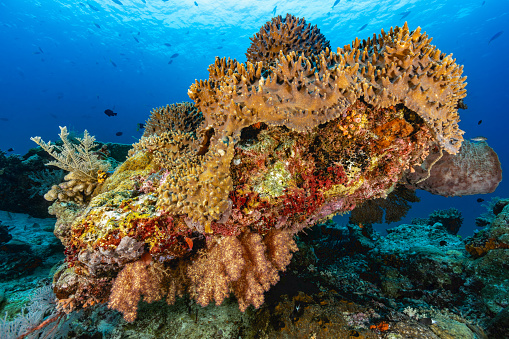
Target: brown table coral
x: 210, y: 198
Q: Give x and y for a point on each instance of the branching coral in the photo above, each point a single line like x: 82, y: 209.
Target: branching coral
x: 84, y: 167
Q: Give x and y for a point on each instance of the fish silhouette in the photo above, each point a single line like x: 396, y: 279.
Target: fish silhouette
x: 405, y: 14
x: 195, y: 3
x: 110, y: 113
x: 363, y: 26
x: 335, y: 3
x: 274, y: 11
x: 174, y: 55
x: 480, y: 122
x: 93, y: 8
x: 114, y: 64
x: 118, y: 134
x: 118, y: 2
x: 136, y: 39
x: 495, y: 36
x: 97, y: 25
x: 167, y: 44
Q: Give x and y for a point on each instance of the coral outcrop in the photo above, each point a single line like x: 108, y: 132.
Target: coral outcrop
x: 399, y: 67
x: 86, y: 169
x: 288, y: 34
x: 211, y: 197
x: 182, y: 117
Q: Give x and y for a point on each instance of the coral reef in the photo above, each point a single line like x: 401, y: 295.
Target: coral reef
x: 46, y: 179
x: 399, y: 67
x: 86, y: 169
x: 182, y: 117
x: 210, y: 199
x: 26, y: 244
x: 288, y: 34
x: 451, y: 219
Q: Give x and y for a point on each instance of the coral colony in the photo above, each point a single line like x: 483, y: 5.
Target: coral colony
x: 210, y: 198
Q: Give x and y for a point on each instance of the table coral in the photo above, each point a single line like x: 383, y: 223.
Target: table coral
x: 211, y: 197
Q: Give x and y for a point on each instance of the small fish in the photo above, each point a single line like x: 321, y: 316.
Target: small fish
x: 114, y: 64
x: 40, y: 49
x: 97, y: 25
x: 174, y: 55
x: 10, y: 150
x: 479, y: 122
x: 140, y: 126
x: 495, y: 36
x: 118, y: 2
x: 405, y: 14
x: 483, y: 3
x: 119, y: 134
x: 426, y: 321
x: 274, y: 11
x: 363, y: 26
x: 136, y: 39
x: 189, y: 242
x: 170, y: 62
x: 195, y: 3
x: 335, y: 3
x: 479, y: 138
x: 4, y: 119
x: 143, y: 1
x: 110, y: 113
x: 480, y: 199
x: 443, y: 243
x: 93, y: 8
x: 220, y: 47
x: 167, y: 44
x: 139, y: 32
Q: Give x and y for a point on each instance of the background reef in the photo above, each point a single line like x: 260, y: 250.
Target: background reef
x: 420, y: 281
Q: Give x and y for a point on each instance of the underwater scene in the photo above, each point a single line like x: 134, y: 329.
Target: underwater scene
x: 254, y: 169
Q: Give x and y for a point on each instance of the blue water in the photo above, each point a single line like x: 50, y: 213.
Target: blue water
x: 64, y: 62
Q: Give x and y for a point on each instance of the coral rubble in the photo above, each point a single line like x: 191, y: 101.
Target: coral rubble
x: 212, y: 195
